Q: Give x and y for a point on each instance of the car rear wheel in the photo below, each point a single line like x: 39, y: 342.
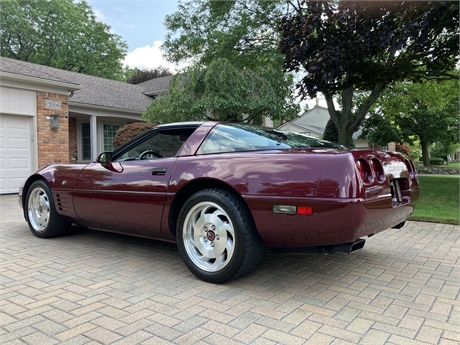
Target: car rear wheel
x: 216, y: 236
x: 41, y: 213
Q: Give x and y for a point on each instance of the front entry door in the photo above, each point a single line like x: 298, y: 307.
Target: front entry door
x: 128, y: 194
x: 124, y: 196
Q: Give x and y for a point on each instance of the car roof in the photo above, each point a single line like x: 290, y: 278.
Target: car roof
x: 180, y: 124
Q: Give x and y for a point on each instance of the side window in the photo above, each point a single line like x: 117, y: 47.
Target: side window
x: 225, y: 138
x: 162, y: 144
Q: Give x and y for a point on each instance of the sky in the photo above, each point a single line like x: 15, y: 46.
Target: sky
x: 140, y: 23
x: 141, y: 26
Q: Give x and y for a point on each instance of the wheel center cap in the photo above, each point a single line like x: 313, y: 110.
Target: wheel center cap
x: 211, y: 235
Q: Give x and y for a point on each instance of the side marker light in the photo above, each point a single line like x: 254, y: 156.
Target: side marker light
x: 286, y: 209
x: 306, y: 210
x: 289, y: 209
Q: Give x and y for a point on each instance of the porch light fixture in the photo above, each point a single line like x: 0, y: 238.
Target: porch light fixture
x: 54, y: 121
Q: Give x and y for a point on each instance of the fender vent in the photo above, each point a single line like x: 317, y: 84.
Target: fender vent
x: 59, y: 202
x: 63, y: 202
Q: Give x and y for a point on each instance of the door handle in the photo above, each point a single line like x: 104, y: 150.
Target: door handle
x: 159, y: 171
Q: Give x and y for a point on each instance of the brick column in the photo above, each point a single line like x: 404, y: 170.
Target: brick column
x: 53, y: 145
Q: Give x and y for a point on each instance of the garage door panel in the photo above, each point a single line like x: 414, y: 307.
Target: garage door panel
x: 15, y: 183
x: 19, y: 124
x: 19, y: 164
x: 16, y: 153
x: 18, y: 144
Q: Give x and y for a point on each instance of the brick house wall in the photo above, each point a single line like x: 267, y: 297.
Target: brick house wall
x: 392, y: 146
x: 53, y: 145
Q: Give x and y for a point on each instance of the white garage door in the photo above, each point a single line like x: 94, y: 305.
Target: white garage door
x: 15, y: 151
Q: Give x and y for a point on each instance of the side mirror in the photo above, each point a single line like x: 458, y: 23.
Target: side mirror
x: 105, y: 157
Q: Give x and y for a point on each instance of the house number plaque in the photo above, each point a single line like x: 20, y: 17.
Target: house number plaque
x: 53, y: 104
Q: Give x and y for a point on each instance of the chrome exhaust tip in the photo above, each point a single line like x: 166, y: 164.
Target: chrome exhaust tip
x: 343, y: 247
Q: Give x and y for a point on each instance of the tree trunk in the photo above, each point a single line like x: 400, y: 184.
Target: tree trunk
x: 345, y: 138
x: 348, y: 121
x: 341, y: 121
x: 425, y: 156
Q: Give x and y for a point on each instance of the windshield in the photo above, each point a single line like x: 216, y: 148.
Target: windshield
x: 244, y: 137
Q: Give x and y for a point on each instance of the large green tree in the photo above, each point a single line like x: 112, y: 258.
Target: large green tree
x: 407, y: 111
x: 345, y: 47
x: 236, y: 69
x: 223, y: 92
x: 60, y: 33
x: 246, y: 33
x: 137, y: 76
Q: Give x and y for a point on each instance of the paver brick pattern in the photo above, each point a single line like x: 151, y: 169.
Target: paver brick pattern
x: 101, y: 288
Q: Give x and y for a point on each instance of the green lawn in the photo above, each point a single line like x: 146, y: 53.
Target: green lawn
x: 439, y: 200
x: 452, y: 165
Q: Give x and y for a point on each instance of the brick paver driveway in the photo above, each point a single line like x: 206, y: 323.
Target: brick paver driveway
x: 100, y: 288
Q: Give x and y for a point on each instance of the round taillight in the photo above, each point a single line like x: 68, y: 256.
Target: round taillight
x: 377, y: 168
x: 360, y: 167
x: 364, y: 170
x: 410, y: 167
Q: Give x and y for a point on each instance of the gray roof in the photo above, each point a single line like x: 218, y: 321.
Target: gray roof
x: 32, y: 70
x: 321, y: 130
x: 357, y: 134
x: 156, y: 86
x: 308, y: 128
x: 93, y: 90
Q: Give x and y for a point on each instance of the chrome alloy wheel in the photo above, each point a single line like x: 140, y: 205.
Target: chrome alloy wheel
x: 208, y: 236
x: 38, y: 209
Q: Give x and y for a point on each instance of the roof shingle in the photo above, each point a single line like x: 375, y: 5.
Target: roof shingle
x: 156, y: 86
x: 93, y: 90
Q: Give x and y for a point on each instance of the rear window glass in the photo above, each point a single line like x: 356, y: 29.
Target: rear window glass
x: 244, y: 137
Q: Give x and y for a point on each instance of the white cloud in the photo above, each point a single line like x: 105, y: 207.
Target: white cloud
x: 149, y: 57
x: 99, y: 15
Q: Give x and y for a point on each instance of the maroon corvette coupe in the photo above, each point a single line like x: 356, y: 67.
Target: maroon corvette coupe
x: 224, y: 192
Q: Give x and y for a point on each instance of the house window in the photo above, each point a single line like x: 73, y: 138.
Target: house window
x: 86, y: 141
x: 109, y: 134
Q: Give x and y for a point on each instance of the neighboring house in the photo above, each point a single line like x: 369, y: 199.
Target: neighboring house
x: 48, y: 115
x: 313, y: 122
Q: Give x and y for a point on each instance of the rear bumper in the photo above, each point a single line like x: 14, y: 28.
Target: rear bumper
x: 334, y: 221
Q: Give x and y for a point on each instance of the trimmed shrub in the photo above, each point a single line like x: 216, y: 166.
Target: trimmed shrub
x: 403, y: 148
x: 436, y: 161
x: 330, y: 132
x: 130, y: 131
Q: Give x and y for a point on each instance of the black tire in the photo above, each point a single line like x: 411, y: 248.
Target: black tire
x: 216, y: 236
x: 40, y: 212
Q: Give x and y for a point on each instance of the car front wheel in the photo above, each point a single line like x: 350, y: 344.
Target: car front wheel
x: 216, y: 236
x: 41, y: 213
